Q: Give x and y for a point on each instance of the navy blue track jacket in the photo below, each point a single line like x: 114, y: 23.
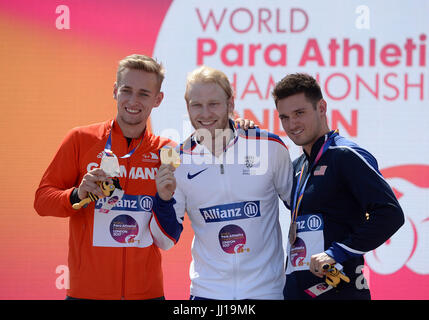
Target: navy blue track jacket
x: 347, y: 210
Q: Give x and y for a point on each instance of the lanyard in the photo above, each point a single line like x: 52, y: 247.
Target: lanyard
x: 301, y: 190
x: 108, y: 146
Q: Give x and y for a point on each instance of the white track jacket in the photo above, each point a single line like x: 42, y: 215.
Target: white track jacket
x: 232, y: 202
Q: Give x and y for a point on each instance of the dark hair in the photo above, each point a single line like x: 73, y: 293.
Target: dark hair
x: 298, y: 83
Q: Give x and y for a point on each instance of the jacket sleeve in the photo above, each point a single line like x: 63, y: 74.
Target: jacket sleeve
x: 359, y: 172
x: 283, y: 174
x: 52, y: 197
x: 165, y: 225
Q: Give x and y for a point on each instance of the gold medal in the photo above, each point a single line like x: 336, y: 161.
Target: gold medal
x: 170, y: 156
x: 292, y: 233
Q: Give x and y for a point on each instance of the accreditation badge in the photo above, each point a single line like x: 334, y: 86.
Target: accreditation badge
x: 111, y: 201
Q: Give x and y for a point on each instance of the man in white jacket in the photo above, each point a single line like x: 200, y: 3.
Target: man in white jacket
x: 229, y: 182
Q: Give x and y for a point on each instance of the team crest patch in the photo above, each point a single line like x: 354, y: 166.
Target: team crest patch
x: 150, y: 157
x: 249, y: 162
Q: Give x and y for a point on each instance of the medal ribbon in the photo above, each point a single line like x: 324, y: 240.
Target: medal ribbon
x: 108, y: 147
x: 299, y: 192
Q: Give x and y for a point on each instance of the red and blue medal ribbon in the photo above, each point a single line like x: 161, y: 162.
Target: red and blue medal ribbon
x: 299, y: 191
x: 108, y: 147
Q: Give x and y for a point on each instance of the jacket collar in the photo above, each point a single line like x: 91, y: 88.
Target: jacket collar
x: 192, y: 145
x: 316, y: 147
x: 119, y: 142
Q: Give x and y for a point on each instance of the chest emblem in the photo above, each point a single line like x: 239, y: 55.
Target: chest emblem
x: 320, y: 170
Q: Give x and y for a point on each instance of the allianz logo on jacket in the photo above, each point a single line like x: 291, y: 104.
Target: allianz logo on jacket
x: 231, y: 211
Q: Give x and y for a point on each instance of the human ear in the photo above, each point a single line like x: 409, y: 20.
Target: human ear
x: 231, y: 105
x: 159, y: 99
x: 323, y: 106
x: 115, y: 91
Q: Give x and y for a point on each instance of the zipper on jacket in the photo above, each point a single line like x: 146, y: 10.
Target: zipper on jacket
x: 222, y: 169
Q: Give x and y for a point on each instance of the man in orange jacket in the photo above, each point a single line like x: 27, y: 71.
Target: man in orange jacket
x: 114, y: 242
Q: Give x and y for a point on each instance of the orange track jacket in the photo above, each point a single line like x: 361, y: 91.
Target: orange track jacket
x: 100, y: 270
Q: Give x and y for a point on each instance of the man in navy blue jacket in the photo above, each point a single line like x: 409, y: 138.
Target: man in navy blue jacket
x: 342, y: 207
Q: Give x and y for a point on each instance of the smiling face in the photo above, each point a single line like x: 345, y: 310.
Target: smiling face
x: 209, y: 107
x: 303, y: 122
x: 137, y: 93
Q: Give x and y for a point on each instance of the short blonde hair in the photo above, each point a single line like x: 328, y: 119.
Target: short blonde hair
x: 141, y: 62
x: 209, y: 75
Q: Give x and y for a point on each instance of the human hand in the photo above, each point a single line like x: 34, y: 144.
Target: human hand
x: 89, y: 183
x: 245, y: 124
x: 165, y: 181
x: 318, y: 261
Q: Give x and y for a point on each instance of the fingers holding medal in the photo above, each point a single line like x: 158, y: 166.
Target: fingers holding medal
x: 98, y: 183
x: 89, y: 183
x: 170, y: 156
x: 165, y: 180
